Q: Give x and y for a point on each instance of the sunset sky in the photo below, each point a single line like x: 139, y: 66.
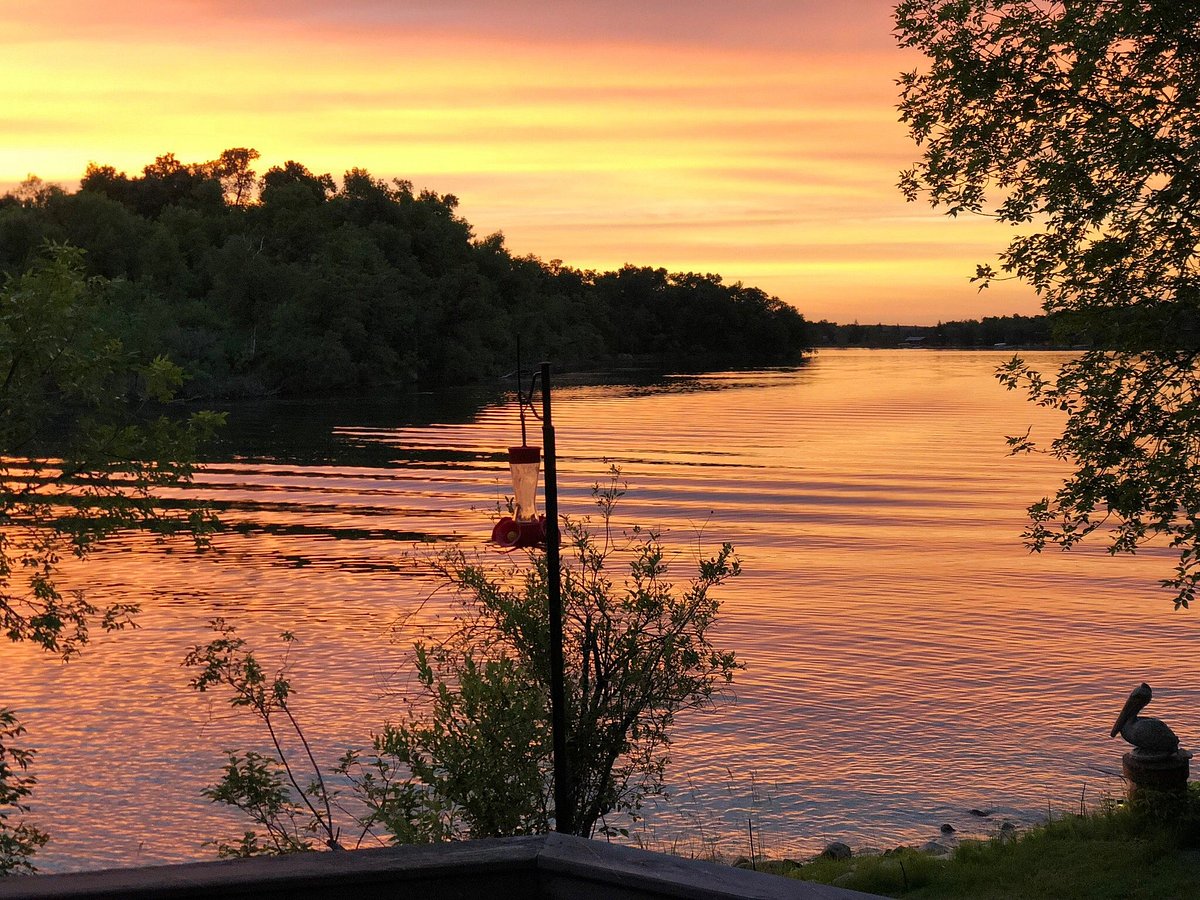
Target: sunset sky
x: 757, y: 139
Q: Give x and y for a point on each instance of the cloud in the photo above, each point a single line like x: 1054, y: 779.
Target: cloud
x: 803, y: 26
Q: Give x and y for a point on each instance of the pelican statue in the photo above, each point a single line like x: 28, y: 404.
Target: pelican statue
x: 1149, y: 736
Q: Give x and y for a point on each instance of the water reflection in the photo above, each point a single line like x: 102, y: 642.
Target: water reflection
x: 906, y: 659
x: 338, y: 430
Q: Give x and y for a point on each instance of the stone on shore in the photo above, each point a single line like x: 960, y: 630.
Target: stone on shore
x: 837, y: 850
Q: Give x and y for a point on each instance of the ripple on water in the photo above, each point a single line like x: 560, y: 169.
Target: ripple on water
x: 906, y: 659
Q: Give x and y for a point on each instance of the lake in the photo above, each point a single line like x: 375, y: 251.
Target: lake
x: 906, y: 659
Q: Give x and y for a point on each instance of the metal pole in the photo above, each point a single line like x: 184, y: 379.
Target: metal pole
x: 564, y: 799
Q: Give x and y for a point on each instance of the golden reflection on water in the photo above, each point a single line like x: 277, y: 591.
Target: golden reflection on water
x: 907, y: 660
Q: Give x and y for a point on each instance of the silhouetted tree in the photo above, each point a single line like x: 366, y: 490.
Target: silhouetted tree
x: 1076, y: 122
x: 237, y: 179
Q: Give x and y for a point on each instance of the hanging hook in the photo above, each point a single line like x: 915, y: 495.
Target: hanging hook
x: 533, y: 380
x: 520, y: 398
x: 525, y: 398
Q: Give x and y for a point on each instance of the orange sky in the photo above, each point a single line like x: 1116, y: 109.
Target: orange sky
x: 757, y: 139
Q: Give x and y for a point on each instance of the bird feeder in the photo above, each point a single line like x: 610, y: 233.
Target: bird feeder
x: 525, y: 464
x: 525, y: 528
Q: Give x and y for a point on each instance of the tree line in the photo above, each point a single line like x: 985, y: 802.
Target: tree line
x: 290, y: 283
x: 1012, y: 331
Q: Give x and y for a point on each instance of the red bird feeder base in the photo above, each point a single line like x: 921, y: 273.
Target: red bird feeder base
x: 511, y: 533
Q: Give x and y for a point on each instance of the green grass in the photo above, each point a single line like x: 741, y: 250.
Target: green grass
x: 1114, y: 853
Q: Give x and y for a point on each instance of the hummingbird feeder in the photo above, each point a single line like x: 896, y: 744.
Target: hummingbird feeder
x: 524, y: 528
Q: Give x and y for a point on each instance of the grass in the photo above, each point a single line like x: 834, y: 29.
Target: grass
x: 1114, y: 852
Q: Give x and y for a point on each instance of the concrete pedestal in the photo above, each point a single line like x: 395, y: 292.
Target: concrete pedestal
x: 1156, y: 775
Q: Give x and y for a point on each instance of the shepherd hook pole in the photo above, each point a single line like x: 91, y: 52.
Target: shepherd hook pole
x: 564, y: 800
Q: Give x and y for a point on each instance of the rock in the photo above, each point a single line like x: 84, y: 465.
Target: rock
x: 1008, y: 826
x: 741, y: 863
x: 947, y: 828
x: 933, y: 848
x: 837, y: 850
x: 982, y: 813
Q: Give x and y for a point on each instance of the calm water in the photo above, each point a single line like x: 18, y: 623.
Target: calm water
x: 907, y: 660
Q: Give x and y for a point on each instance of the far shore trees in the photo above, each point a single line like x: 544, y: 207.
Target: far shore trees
x: 1076, y: 124
x: 291, y: 283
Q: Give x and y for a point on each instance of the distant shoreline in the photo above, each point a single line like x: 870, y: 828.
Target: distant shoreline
x: 989, y: 333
